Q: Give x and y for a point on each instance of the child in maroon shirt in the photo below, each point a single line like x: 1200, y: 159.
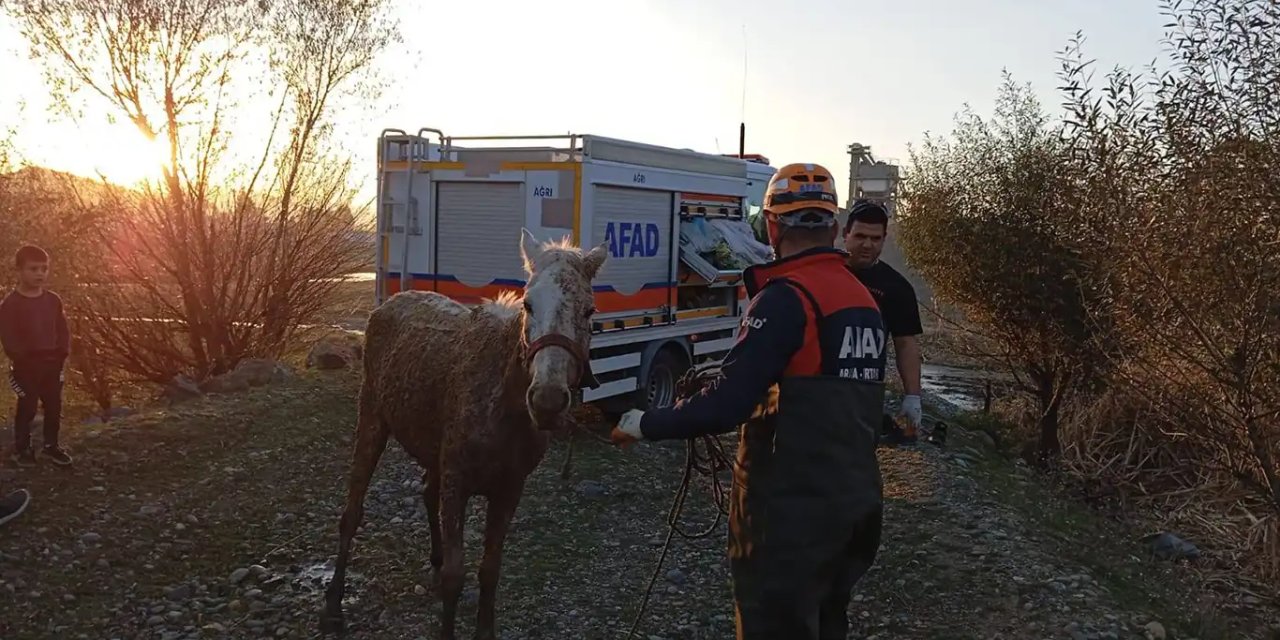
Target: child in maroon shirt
x: 33, y: 331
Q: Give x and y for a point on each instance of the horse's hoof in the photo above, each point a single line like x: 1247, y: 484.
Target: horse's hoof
x: 331, y: 622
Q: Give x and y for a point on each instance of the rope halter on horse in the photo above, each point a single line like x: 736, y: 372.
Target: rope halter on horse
x: 583, y: 375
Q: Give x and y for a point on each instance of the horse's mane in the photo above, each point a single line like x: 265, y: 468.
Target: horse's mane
x: 506, y: 306
x: 508, y: 303
x: 564, y: 243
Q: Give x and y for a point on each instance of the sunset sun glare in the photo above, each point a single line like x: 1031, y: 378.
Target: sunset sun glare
x: 126, y: 157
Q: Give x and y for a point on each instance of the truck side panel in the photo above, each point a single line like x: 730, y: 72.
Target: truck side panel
x: 551, y: 201
x: 635, y: 225
x: 478, y: 234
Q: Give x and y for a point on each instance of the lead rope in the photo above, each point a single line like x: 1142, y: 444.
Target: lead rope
x: 710, y: 461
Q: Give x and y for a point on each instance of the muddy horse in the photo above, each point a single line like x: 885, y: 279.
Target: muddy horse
x: 472, y: 394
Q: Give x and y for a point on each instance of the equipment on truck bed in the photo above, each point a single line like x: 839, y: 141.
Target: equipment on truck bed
x: 674, y: 221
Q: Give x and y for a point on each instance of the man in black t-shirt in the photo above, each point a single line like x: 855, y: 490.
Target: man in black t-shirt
x: 864, y: 235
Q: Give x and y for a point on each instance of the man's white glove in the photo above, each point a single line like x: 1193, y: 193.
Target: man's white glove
x: 628, y: 429
x: 912, y: 410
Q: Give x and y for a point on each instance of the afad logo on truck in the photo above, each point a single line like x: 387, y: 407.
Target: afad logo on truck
x: 632, y: 239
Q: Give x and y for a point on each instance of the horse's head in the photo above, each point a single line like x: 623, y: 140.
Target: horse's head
x: 558, y: 303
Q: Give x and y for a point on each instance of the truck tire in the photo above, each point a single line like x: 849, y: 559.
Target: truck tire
x: 658, y: 389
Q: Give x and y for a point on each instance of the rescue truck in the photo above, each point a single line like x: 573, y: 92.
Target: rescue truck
x: 449, y: 219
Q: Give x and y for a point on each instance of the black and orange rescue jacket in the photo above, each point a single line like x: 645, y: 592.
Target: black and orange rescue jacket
x: 805, y: 381
x: 808, y: 317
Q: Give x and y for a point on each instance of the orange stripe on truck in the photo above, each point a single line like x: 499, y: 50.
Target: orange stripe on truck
x: 651, y: 296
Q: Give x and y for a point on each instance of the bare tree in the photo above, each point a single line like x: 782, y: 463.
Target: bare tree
x: 218, y: 261
x: 323, y: 46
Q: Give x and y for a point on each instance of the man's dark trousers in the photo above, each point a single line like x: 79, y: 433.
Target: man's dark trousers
x: 802, y: 593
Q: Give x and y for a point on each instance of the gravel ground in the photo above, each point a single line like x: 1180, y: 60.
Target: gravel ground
x: 219, y: 520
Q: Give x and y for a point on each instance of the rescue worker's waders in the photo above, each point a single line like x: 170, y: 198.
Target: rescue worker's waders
x: 806, y: 507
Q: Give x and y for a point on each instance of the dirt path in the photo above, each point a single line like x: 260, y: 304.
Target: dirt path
x: 218, y: 521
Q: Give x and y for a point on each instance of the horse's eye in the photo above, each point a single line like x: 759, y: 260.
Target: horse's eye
x: 528, y: 308
x: 591, y: 311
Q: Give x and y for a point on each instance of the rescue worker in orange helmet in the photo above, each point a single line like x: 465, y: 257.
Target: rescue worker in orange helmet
x: 805, y: 382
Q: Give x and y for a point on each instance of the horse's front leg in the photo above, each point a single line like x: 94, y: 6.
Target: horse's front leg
x: 371, y: 440
x: 453, y: 506
x: 502, y: 507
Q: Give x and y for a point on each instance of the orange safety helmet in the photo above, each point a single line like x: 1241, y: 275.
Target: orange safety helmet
x: 800, y: 195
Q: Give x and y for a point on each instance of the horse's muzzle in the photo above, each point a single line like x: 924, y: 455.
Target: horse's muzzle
x: 547, y: 404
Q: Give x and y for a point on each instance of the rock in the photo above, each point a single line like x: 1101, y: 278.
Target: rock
x: 592, y: 489
x: 258, y: 570
x: 337, y: 350
x: 180, y: 389
x: 155, y: 621
x: 90, y: 538
x: 676, y: 576
x: 238, y: 576
x: 1171, y: 547
x: 178, y: 593
x: 250, y: 372
x: 1154, y: 631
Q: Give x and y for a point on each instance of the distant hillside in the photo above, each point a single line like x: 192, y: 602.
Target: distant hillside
x: 33, y: 182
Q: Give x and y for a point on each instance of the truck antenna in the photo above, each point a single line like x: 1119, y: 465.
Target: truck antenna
x: 742, y: 122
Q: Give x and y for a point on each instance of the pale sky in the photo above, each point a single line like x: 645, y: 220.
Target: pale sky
x: 820, y: 75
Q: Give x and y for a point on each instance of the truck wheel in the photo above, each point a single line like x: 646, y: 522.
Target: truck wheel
x: 658, y: 389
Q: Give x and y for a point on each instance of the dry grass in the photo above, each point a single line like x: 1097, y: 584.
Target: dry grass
x: 1153, y: 478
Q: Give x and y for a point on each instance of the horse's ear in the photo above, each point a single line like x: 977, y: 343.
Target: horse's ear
x: 530, y: 249
x: 595, y: 259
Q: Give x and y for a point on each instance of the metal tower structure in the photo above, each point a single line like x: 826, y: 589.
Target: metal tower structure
x: 871, y: 179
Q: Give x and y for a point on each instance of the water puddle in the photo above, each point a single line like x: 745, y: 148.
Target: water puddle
x: 315, y: 577
x: 960, y: 387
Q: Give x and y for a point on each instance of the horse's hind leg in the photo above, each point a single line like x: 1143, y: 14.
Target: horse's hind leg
x: 371, y: 441
x: 453, y: 506
x: 431, y: 499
